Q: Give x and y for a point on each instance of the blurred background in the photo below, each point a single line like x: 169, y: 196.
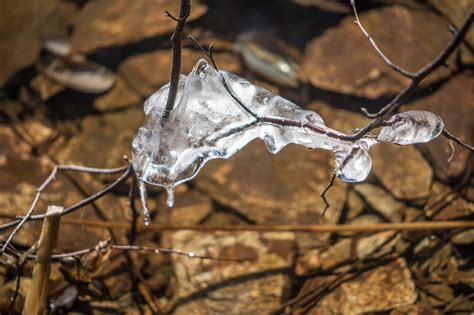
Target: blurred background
x: 73, y: 78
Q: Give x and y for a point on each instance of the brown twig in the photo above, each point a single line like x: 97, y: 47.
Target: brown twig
x: 184, y: 11
x: 38, y: 291
x: 323, y: 193
x: 76, y: 206
x: 51, y: 178
x: 323, y: 228
x: 398, y: 69
x: 452, y: 137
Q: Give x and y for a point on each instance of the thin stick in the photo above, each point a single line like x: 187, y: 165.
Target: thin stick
x: 323, y: 193
x: 398, y: 69
x: 323, y: 228
x: 184, y: 12
x: 452, y: 137
x: 38, y: 292
x: 48, y: 180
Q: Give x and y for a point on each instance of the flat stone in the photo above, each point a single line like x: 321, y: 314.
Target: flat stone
x: 22, y: 24
x: 446, y: 204
x: 46, y: 87
x: 402, y: 170
x: 324, y: 259
x: 147, y: 72
x: 464, y: 237
x: 453, y: 103
x: 355, y: 205
x: 342, y: 59
x: 366, y: 219
x: 376, y: 290
x: 415, y: 309
x: 381, y: 201
x: 379, y: 243
x: 260, y: 251
x: 102, y: 23
x: 104, y: 139
x: 259, y: 296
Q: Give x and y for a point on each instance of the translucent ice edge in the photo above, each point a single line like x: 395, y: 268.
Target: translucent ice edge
x: 217, y: 113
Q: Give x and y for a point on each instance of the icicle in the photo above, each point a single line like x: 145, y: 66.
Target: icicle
x: 143, y: 200
x: 170, y: 195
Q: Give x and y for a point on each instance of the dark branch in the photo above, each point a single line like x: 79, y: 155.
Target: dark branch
x: 452, y: 137
x: 184, y: 12
x: 323, y: 194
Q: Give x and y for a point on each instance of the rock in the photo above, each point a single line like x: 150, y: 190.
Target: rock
x: 259, y: 296
x: 102, y: 23
x: 436, y: 294
x: 453, y: 103
x: 36, y: 132
x: 376, y: 290
x: 22, y: 24
x: 381, y: 201
x: 463, y: 238
x: 122, y: 95
x: 46, y: 87
x: 366, y: 219
x: 259, y: 280
x: 324, y: 259
x: 282, y: 188
x: 402, y: 170
x: 377, y: 245
x: 415, y: 309
x: 21, y: 175
x: 355, y: 205
x: 342, y: 60
x: 446, y: 204
x: 147, y: 72
x: 104, y: 140
x: 11, y: 144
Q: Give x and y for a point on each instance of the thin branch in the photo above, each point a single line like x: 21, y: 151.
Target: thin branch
x: 322, y: 228
x: 184, y: 11
x: 323, y: 193
x: 49, y: 179
x: 401, y: 97
x: 452, y: 137
x: 398, y: 69
x: 78, y: 205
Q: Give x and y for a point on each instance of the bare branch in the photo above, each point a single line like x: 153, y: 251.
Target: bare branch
x: 323, y: 193
x: 398, y: 69
x: 184, y: 11
x: 52, y: 177
x: 452, y: 137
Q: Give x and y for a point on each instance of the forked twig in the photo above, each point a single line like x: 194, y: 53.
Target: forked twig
x: 48, y: 180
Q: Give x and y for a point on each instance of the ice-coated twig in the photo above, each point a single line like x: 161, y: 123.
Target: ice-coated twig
x: 184, y: 11
x: 48, y: 180
x: 392, y: 65
x: 144, y: 201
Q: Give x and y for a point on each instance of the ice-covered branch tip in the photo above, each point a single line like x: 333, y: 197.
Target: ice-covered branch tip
x: 217, y: 113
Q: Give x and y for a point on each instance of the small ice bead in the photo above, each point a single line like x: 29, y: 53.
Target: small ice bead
x: 415, y: 126
x: 170, y: 196
x: 354, y: 166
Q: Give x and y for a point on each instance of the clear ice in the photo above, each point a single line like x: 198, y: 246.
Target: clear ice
x: 217, y: 113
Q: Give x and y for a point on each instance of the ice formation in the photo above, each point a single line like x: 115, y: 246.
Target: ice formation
x: 217, y: 113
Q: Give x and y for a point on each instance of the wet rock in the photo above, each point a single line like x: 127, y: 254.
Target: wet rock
x: 342, y: 60
x: 380, y: 289
x: 10, y: 143
x: 102, y: 23
x: 282, y: 188
x: 147, y: 72
x: 453, y: 103
x: 258, y: 296
x: 324, y: 259
x: 266, y: 256
x: 22, y: 24
x: 402, y: 170
x: 21, y: 175
x: 104, y: 139
x: 446, y: 204
x: 381, y: 201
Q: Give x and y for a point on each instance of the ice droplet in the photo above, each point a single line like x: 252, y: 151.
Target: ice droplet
x: 170, y: 195
x: 414, y: 126
x: 191, y: 254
